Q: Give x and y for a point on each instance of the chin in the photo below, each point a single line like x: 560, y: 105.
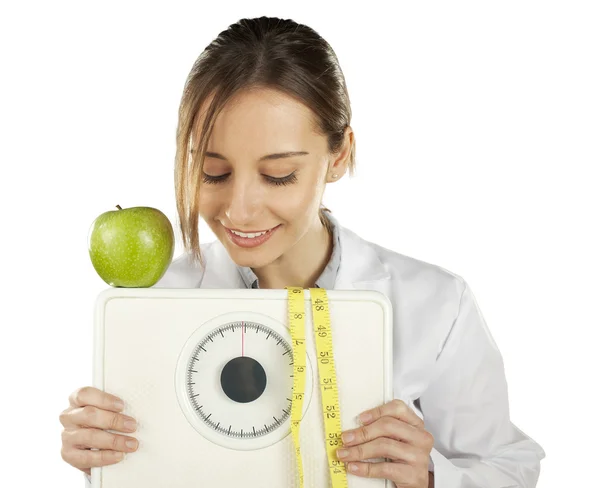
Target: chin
x: 251, y: 258
x: 249, y: 255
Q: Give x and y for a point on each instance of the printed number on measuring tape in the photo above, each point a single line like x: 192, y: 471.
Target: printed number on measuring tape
x: 327, y: 378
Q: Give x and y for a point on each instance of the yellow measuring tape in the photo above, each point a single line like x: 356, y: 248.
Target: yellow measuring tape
x: 327, y: 378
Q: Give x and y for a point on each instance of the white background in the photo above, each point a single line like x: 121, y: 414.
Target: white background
x: 477, y: 128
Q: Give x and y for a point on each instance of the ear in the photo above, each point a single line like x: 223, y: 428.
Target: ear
x: 339, y: 164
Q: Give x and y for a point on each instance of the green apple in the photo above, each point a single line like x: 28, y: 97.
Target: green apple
x: 131, y: 247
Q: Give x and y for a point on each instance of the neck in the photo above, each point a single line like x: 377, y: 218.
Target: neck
x: 301, y: 265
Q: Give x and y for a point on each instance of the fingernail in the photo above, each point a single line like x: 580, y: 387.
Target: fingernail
x: 342, y: 453
x: 119, y: 405
x: 347, y: 437
x: 365, y: 417
x: 130, y: 424
x: 353, y: 467
x: 131, y: 444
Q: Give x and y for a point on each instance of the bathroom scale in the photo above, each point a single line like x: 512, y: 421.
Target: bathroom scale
x: 208, y: 375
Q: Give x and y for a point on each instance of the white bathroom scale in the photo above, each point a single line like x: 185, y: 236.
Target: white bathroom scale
x: 208, y: 375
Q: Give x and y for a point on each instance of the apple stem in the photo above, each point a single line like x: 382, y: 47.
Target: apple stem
x: 119, y: 207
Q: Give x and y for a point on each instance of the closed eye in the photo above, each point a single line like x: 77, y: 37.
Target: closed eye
x: 286, y: 180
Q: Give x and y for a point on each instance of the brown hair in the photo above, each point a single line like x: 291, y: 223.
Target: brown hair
x: 262, y: 52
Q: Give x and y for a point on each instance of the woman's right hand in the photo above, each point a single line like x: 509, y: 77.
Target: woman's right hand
x: 91, y: 411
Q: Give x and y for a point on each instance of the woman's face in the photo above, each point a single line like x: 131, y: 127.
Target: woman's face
x: 255, y: 191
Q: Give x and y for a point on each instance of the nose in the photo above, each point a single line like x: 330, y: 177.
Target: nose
x: 245, y: 201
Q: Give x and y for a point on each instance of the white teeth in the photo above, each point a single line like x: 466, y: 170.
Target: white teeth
x: 249, y: 236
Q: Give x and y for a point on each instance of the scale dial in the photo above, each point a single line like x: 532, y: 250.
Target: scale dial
x: 235, y: 380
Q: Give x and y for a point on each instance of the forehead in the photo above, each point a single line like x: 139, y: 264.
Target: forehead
x: 258, y: 119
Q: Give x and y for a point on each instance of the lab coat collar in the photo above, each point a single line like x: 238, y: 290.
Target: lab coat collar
x: 360, y: 266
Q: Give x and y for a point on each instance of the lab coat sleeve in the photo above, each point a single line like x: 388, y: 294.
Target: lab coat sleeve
x: 88, y: 481
x: 465, y: 407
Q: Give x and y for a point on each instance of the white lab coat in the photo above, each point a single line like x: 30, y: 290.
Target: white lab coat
x: 447, y: 366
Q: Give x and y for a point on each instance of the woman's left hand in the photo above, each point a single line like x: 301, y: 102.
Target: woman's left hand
x: 395, y: 432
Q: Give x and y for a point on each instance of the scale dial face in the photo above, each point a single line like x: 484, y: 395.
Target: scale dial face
x: 235, y: 380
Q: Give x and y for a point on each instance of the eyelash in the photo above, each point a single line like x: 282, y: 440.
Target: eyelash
x: 286, y: 180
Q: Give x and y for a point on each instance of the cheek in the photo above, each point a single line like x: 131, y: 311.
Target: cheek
x: 297, y: 204
x: 207, y: 201
x: 299, y: 201
x: 311, y: 192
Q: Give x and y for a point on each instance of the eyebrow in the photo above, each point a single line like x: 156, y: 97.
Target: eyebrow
x: 268, y: 157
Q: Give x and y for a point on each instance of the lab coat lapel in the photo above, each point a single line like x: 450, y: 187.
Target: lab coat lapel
x: 360, y: 267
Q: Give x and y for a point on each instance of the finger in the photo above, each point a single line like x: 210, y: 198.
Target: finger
x: 84, y: 458
x: 89, y: 395
x: 384, y: 447
x: 397, y: 409
x: 387, y: 427
x: 94, y: 417
x: 402, y: 474
x: 99, y: 439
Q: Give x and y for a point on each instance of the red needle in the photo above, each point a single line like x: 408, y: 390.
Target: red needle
x: 242, y: 338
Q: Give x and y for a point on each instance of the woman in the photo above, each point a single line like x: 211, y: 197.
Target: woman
x: 264, y: 125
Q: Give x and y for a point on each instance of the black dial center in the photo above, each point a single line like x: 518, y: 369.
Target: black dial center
x: 243, y: 379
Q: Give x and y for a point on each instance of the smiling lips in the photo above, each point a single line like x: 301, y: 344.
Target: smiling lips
x: 250, y: 239
x: 254, y: 233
